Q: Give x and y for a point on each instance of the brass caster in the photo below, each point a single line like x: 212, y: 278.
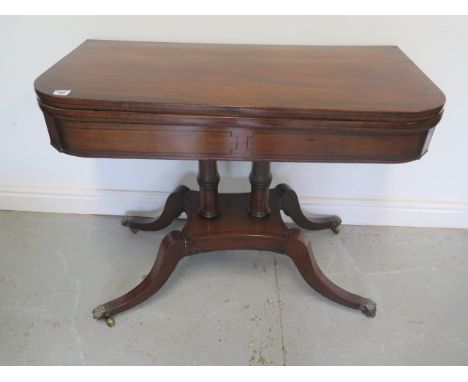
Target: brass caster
x: 109, y: 321
x: 336, y: 228
x: 126, y: 222
x: 101, y: 312
x: 368, y: 307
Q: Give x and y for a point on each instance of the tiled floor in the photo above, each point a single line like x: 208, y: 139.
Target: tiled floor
x: 228, y: 308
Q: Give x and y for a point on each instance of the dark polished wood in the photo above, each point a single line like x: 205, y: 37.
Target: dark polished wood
x: 239, y: 102
x: 208, y: 180
x: 291, y: 207
x: 260, y: 103
x: 171, y: 250
x: 260, y: 180
x: 234, y: 229
x: 319, y: 82
x: 174, y: 206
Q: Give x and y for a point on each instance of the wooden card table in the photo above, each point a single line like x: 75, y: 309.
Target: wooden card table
x: 206, y: 102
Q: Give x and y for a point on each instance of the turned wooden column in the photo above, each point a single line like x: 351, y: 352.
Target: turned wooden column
x: 260, y: 180
x: 208, y: 180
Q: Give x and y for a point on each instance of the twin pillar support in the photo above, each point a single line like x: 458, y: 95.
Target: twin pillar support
x: 208, y: 180
x: 274, y: 235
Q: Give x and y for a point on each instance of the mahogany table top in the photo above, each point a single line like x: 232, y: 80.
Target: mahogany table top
x: 346, y: 80
x: 240, y: 102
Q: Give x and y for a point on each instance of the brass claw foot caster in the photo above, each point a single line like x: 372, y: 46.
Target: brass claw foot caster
x: 125, y: 222
x: 336, y: 228
x: 101, y: 313
x: 109, y: 321
x: 368, y: 307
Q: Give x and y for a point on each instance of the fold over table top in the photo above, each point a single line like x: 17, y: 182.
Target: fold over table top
x: 349, y: 82
x: 248, y: 91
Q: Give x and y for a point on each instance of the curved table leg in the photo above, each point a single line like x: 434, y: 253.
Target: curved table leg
x: 175, y: 205
x: 233, y: 229
x: 291, y: 207
x: 171, y: 250
x: 305, y: 262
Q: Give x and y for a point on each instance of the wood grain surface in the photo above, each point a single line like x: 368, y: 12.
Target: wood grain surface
x: 253, y: 80
x: 239, y: 102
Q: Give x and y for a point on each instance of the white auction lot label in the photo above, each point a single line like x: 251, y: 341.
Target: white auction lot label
x: 61, y: 92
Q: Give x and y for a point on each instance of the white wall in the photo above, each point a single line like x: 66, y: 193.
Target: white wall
x: 429, y: 192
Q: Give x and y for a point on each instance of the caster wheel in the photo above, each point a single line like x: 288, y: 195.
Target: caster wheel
x: 336, y: 228
x: 368, y: 307
x: 109, y: 321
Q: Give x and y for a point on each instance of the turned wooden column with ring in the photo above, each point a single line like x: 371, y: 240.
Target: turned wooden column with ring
x: 208, y: 180
x: 260, y: 180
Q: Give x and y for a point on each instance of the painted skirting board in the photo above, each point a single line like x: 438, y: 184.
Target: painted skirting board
x: 352, y: 211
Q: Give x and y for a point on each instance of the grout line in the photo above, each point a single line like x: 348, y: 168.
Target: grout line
x: 283, y: 350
